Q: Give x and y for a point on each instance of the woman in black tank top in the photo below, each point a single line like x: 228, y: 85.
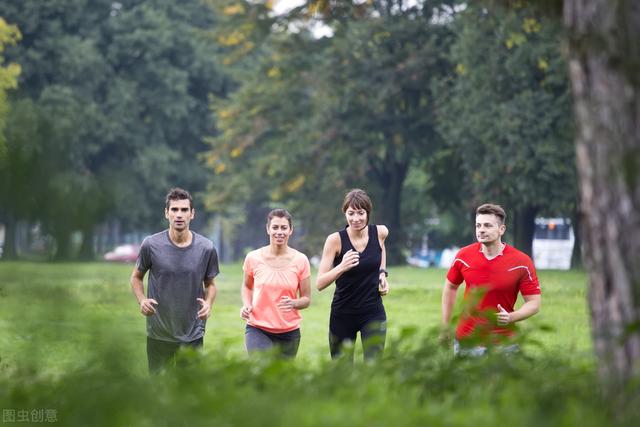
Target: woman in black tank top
x: 355, y: 259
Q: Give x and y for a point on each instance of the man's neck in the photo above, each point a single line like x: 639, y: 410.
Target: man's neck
x: 492, y: 249
x: 180, y: 238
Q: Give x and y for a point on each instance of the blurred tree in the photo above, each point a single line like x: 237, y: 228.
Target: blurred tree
x: 507, y: 114
x: 262, y: 146
x: 9, y: 35
x: 376, y: 101
x: 319, y: 116
x: 604, y: 56
x: 125, y: 88
x: 604, y: 64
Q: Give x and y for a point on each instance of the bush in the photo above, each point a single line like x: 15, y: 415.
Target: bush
x: 411, y: 385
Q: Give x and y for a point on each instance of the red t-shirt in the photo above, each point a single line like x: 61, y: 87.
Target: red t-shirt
x: 489, y: 283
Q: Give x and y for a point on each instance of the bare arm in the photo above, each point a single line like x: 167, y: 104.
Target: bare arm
x: 247, y: 296
x: 383, y: 286
x: 383, y: 232
x: 530, y: 307
x: 304, y: 299
x: 210, y: 292
x: 137, y: 286
x: 326, y: 274
x: 449, y: 293
x: 304, y: 292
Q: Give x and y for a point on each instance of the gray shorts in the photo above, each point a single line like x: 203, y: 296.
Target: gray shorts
x: 481, y: 350
x: 286, y: 343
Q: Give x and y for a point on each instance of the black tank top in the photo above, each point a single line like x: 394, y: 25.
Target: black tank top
x: 357, y: 289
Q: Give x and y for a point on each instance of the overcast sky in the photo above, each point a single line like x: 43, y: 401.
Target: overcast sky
x: 317, y: 28
x: 281, y: 6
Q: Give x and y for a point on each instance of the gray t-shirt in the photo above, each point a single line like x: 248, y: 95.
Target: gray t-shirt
x: 175, y: 281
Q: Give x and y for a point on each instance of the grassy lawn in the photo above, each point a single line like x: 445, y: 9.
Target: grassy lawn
x: 52, y: 314
x: 72, y: 340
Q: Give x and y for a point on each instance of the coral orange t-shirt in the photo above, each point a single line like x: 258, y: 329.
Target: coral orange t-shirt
x: 270, y: 284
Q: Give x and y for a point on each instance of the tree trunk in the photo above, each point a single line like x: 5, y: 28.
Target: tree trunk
x: 523, y: 229
x: 103, y: 238
x: 604, y: 54
x: 87, y: 251
x: 390, y: 212
x: 576, y: 255
x: 9, y: 251
x: 63, y: 246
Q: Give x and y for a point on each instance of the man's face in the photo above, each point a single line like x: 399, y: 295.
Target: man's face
x: 489, y: 229
x: 179, y: 214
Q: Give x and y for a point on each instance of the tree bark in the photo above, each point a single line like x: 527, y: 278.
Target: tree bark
x: 63, y: 245
x: 87, y: 250
x: 390, y: 210
x: 524, y: 228
x: 576, y: 255
x: 604, y: 58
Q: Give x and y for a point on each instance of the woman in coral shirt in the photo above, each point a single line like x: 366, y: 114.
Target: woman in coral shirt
x: 277, y: 284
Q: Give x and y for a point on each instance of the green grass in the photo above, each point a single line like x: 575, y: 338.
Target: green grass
x: 72, y: 340
x: 53, y: 312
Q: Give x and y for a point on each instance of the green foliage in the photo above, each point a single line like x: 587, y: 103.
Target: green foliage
x: 507, y: 111
x: 120, y: 90
x: 9, y: 35
x: 81, y: 353
x: 431, y: 111
x: 318, y: 116
x: 413, y: 388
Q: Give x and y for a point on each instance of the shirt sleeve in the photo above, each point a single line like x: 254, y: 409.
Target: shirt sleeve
x: 213, y: 268
x: 304, y: 269
x: 455, y: 271
x: 143, y: 263
x: 529, y: 284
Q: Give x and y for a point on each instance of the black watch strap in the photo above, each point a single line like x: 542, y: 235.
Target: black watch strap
x: 386, y: 273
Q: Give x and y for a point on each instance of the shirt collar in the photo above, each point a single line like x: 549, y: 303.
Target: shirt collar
x: 504, y: 246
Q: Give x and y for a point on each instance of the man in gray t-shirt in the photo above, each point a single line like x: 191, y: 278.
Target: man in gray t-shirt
x: 181, y: 289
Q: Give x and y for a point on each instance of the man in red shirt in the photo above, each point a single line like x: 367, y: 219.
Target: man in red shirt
x: 494, y: 273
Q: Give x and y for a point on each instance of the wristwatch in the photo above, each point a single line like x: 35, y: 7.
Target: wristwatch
x: 386, y: 273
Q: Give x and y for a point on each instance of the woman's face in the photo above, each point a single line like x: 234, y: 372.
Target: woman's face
x: 356, y: 218
x: 279, y: 231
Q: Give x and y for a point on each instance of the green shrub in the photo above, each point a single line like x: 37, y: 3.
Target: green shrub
x: 411, y: 385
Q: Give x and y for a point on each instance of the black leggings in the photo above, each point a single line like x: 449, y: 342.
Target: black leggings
x: 257, y: 339
x: 344, y: 328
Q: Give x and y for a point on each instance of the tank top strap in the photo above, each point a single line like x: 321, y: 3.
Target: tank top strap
x: 373, y: 232
x: 345, y: 243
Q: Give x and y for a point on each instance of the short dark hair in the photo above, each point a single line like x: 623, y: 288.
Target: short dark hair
x: 491, y: 209
x: 178, y: 193
x: 357, y: 199
x: 279, y: 213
